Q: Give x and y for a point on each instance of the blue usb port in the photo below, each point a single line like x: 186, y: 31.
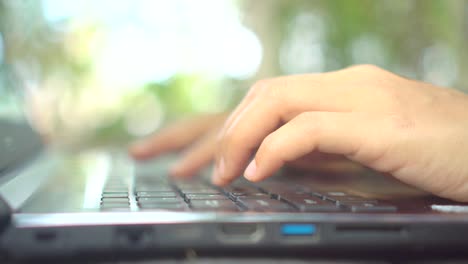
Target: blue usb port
x: 298, y: 229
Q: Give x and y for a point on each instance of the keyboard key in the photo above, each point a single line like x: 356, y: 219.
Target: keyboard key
x: 252, y: 196
x: 163, y: 206
x: 206, y: 197
x: 336, y: 194
x: 156, y: 194
x: 153, y: 189
x: 200, y: 191
x: 215, y: 205
x: 242, y: 190
x: 307, y: 203
x: 114, y: 194
x: 114, y: 200
x: 265, y: 205
x: 348, y: 198
x: 158, y: 200
x: 370, y: 207
x: 354, y: 199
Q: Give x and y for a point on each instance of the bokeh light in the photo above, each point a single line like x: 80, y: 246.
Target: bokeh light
x: 101, y: 73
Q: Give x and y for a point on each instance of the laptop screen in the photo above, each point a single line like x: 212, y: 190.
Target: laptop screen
x: 18, y: 141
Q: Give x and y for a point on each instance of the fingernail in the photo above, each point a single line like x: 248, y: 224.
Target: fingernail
x: 250, y: 171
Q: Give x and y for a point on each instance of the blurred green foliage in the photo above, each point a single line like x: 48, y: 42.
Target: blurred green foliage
x: 422, y: 39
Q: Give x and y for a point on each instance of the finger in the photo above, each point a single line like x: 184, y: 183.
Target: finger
x: 354, y: 135
x: 246, y: 134
x: 196, y: 157
x: 173, y: 137
x: 337, y: 91
x: 319, y: 157
x: 329, y: 91
x: 269, y: 104
x: 260, y: 85
x: 334, y: 166
x: 317, y: 161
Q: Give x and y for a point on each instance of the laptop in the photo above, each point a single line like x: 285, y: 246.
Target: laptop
x: 104, y: 204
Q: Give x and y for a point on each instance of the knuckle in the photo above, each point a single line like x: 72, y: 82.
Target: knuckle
x: 232, y: 139
x: 313, y: 120
x: 368, y: 68
x: 368, y: 74
x: 260, y: 87
x: 272, y: 88
x: 270, y: 145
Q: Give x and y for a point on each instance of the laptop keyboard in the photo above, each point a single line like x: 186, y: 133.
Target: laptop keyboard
x: 163, y: 193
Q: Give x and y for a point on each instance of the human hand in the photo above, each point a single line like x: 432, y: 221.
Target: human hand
x: 196, y: 136
x: 414, y: 131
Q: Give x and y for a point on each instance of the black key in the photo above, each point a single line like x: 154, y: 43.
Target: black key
x: 265, y: 205
x: 334, y: 196
x: 370, y: 207
x: 277, y: 190
x: 157, y: 200
x: 203, y: 190
x: 163, y: 206
x: 242, y: 190
x: 215, y: 205
x: 307, y: 203
x: 156, y: 194
x: 206, y: 197
x: 114, y: 194
x: 349, y: 202
x: 251, y: 196
x: 281, y: 193
x: 148, y: 188
x: 354, y: 199
x: 114, y: 200
x: 340, y: 196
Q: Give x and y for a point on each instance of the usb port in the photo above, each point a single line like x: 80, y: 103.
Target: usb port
x: 298, y: 229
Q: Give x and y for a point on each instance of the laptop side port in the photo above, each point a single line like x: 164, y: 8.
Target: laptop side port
x: 298, y: 233
x: 134, y: 237
x: 45, y: 236
x: 298, y: 229
x: 240, y: 232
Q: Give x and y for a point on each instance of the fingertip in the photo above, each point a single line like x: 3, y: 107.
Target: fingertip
x: 180, y: 170
x: 175, y: 171
x: 138, y: 153
x: 144, y: 149
x: 138, y: 147
x: 251, y: 171
x: 217, y: 180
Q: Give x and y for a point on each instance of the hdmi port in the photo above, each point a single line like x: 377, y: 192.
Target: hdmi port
x: 240, y: 232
